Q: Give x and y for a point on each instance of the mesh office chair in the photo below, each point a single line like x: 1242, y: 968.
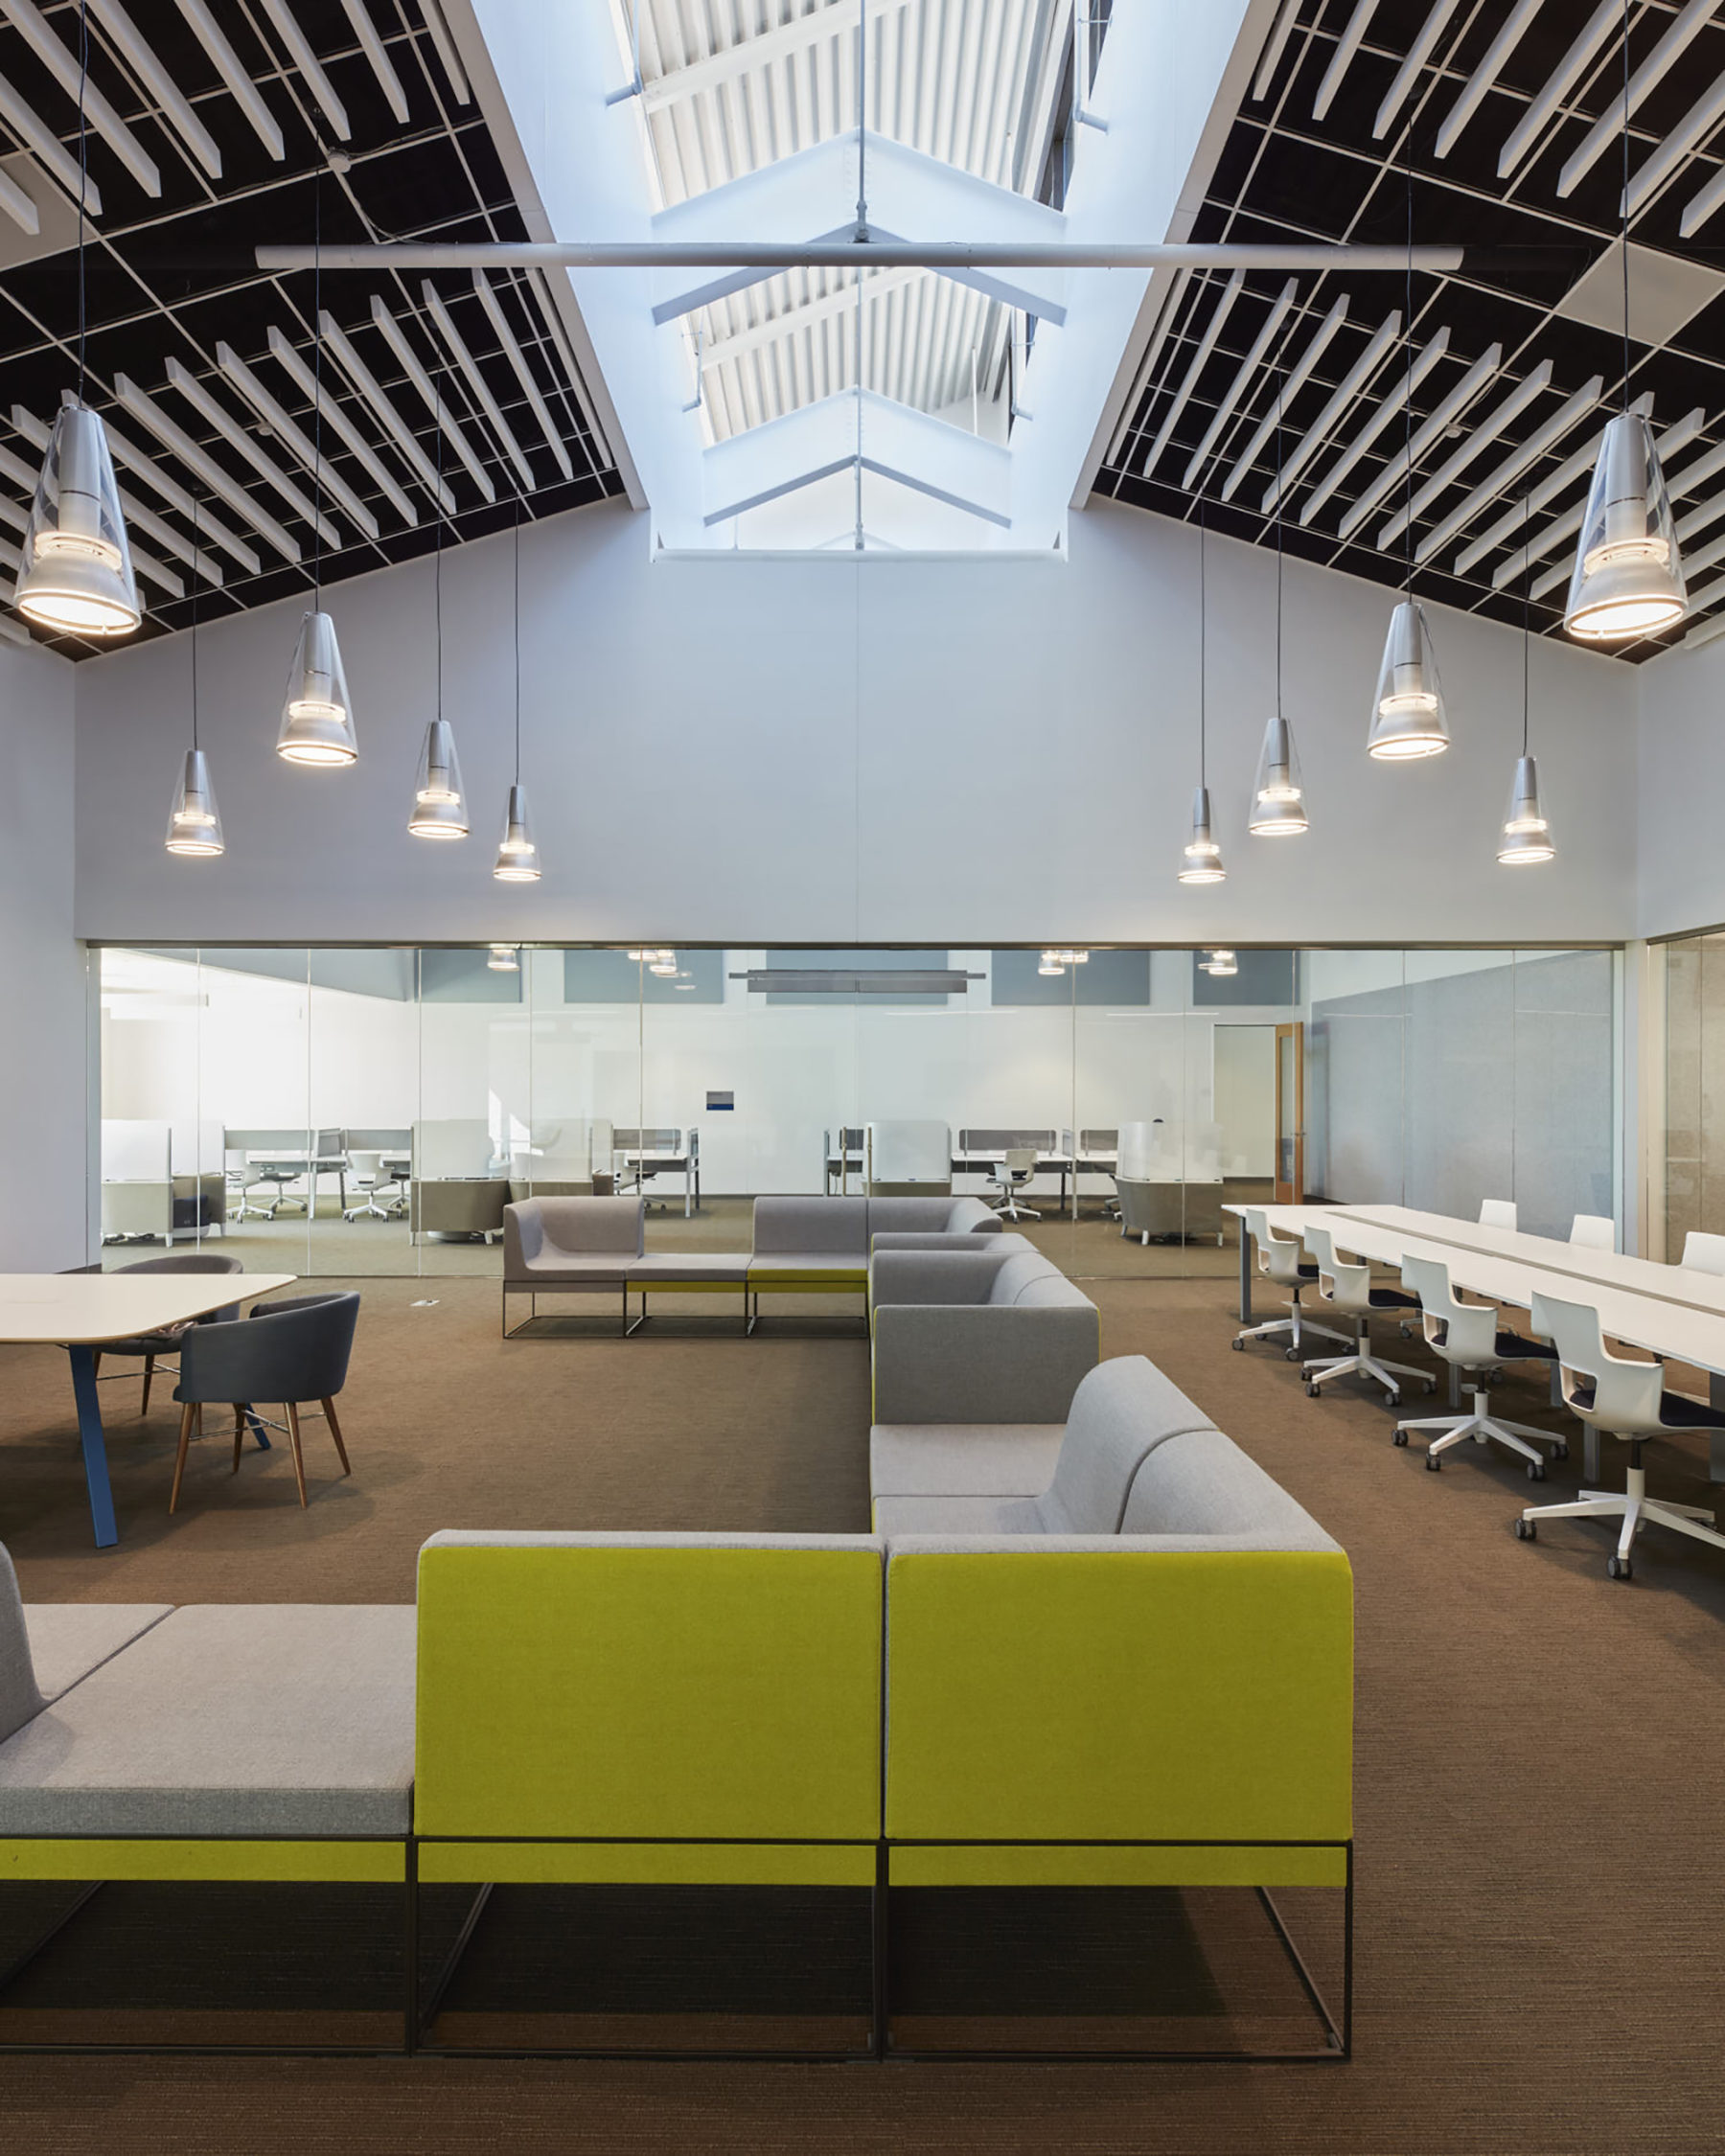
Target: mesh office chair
x: 1280, y: 1259
x: 150, y: 1345
x: 1629, y: 1399
x: 292, y: 1350
x: 1593, y: 1231
x: 1468, y: 1336
x: 1702, y: 1253
x: 1348, y: 1290
x: 1017, y: 1170
x: 1497, y: 1212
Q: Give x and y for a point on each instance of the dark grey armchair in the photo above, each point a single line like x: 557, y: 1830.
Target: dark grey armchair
x: 291, y: 1350
x: 165, y: 1342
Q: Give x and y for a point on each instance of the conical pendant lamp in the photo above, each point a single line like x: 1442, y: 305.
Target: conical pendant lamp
x: 1277, y: 797
x: 1202, y: 861
x: 439, y: 807
x: 194, y: 820
x: 1526, y: 839
x: 1407, y: 719
x: 517, y: 857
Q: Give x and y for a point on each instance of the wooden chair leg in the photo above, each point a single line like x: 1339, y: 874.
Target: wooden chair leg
x: 96, y: 1363
x: 148, y: 1374
x: 179, y: 1458
x: 329, y: 1408
x: 239, y: 1432
x: 299, y: 1461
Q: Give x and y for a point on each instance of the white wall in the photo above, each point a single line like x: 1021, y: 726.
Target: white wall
x: 42, y: 1010
x: 1682, y: 791
x: 752, y: 750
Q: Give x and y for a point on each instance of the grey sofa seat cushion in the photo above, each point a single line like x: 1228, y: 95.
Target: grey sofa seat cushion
x: 837, y: 1225
x: 956, y: 1542
x: 962, y: 1458
x: 1200, y: 1482
x: 688, y: 1264
x: 1008, y: 1518
x: 849, y: 1262
x: 69, y: 1639
x: 20, y: 1700
x: 553, y: 1269
x: 239, y: 1720
x: 1122, y: 1410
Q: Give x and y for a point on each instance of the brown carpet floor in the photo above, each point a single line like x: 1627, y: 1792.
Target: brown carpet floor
x: 1541, y: 1776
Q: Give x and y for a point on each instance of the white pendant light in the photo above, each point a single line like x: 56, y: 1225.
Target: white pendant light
x: 317, y: 717
x: 517, y: 857
x: 1222, y: 965
x: 1526, y: 839
x: 505, y: 958
x: 439, y: 805
x: 1629, y: 576
x: 1407, y: 719
x: 1050, y: 967
x: 1202, y: 861
x: 1278, y: 796
x: 663, y: 963
x: 194, y: 820
x: 74, y: 571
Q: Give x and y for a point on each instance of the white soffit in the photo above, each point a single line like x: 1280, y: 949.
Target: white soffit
x: 1664, y: 292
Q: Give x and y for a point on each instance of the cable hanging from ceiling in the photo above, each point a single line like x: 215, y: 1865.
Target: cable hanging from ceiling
x: 74, y: 568
x: 1629, y: 576
x: 1278, y: 797
x: 194, y: 819
x: 317, y: 716
x: 1202, y: 861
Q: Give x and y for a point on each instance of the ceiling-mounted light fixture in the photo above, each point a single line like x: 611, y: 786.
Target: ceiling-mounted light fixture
x: 1628, y: 576
x: 663, y: 963
x: 1408, y: 717
x: 1526, y: 839
x: 438, y: 806
x: 75, y: 569
x: 1050, y: 967
x: 194, y: 821
x: 505, y: 958
x: 517, y: 857
x: 317, y: 719
x: 1220, y: 963
x: 1202, y: 861
x: 1277, y: 799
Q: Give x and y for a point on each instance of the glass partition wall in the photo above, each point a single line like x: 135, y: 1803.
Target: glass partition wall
x: 337, y: 1112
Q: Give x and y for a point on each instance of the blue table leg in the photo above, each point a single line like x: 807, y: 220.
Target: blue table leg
x: 258, y: 1431
x: 95, y: 1448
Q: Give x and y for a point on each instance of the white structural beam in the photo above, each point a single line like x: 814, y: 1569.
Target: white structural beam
x: 130, y: 43
x: 1353, y: 38
x: 63, y: 64
x: 1407, y: 74
x: 1607, y: 16
x: 179, y: 444
x: 1200, y: 359
x: 1396, y: 393
x: 1290, y: 386
x: 46, y: 147
x: 813, y: 194
x: 1607, y: 131
x: 299, y: 47
x: 1313, y: 438
x: 456, y: 345
x: 240, y: 441
x: 766, y: 48
x: 339, y: 424
x: 143, y: 466
x: 1681, y: 140
x: 1434, y: 425
x: 1508, y: 471
x: 1275, y: 46
x: 232, y: 71
x: 19, y: 206
x: 36, y: 433
x: 290, y: 434
x: 1479, y: 436
x: 1508, y: 525
x: 432, y: 15
x: 377, y: 56
x: 523, y: 373
x: 1483, y: 80
x: 371, y: 393
x: 891, y: 440
x: 442, y: 418
x: 1241, y: 384
x: 877, y: 285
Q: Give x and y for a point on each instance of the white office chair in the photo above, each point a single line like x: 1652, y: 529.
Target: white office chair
x: 1497, y: 1212
x: 1702, y: 1253
x: 243, y: 1178
x: 1593, y: 1231
x: 1278, y: 1259
x: 1629, y: 1399
x: 1348, y: 1290
x: 1467, y: 1335
x: 371, y: 1181
x: 1018, y: 1167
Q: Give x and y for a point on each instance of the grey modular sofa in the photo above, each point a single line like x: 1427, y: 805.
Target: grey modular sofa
x: 964, y: 1336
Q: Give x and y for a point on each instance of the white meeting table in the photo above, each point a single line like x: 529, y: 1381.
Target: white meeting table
x: 1676, y: 1329
x: 82, y: 1311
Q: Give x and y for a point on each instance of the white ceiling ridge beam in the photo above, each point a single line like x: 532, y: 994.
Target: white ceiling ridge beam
x: 144, y: 466
x: 432, y: 15
x: 1565, y: 527
x: 877, y: 285
x: 371, y: 393
x: 46, y: 147
x: 377, y: 56
x: 98, y: 112
x: 1431, y: 428
x: 291, y: 437
x: 1503, y: 475
x: 344, y: 429
x: 476, y: 382
x: 1689, y: 134
x: 232, y: 70
x: 1701, y: 207
x: 25, y: 475
x: 1395, y: 396
x: 523, y: 374
x: 767, y: 47
x: 1484, y: 77
x: 174, y: 439
x: 442, y: 418
x: 1244, y: 373
x: 1189, y: 381
x: 1339, y: 398
x: 19, y: 206
x: 1347, y: 46
x: 1289, y: 388
x: 182, y: 379
x: 1685, y: 482
x: 299, y: 47
x: 36, y: 433
x: 1549, y: 97
x: 1478, y: 437
x: 1407, y: 74
x: 1571, y: 468
x: 1275, y: 46
x: 1607, y: 131
x: 140, y: 57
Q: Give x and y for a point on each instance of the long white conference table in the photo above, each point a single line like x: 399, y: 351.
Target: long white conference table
x: 1668, y: 1309
x: 82, y: 1311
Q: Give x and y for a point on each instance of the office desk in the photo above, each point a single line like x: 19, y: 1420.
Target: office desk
x: 646, y: 1163
x: 309, y: 1165
x: 79, y: 1311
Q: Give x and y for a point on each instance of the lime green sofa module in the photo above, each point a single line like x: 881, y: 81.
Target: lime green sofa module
x: 1126, y: 1710
x: 649, y: 1709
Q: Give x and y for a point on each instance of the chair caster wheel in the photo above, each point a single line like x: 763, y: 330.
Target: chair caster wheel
x: 1434, y: 1464
x: 1560, y: 1452
x: 1392, y: 1399
x: 1398, y: 1436
x: 1619, y: 1568
x: 1291, y: 1354
x: 1537, y: 1471
x: 1311, y: 1390
x: 1238, y: 1344
x: 1526, y: 1530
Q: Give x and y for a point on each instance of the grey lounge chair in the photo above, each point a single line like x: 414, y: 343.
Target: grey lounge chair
x: 292, y: 1350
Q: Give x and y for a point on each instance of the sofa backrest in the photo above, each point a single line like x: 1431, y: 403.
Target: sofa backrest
x: 1027, y: 1279
x: 1200, y: 1482
x: 1122, y: 1412
x: 808, y: 1226
x: 20, y: 1701
x: 642, y: 1687
x: 595, y: 1227
x: 932, y: 1216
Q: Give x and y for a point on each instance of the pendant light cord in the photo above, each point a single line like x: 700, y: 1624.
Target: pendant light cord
x: 1408, y: 379
x: 1527, y: 609
x: 437, y: 574
x: 518, y: 641
x: 317, y: 390
x: 84, y: 146
x: 1203, y: 641
x: 1280, y: 383
x: 1625, y: 205
x: 195, y: 620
